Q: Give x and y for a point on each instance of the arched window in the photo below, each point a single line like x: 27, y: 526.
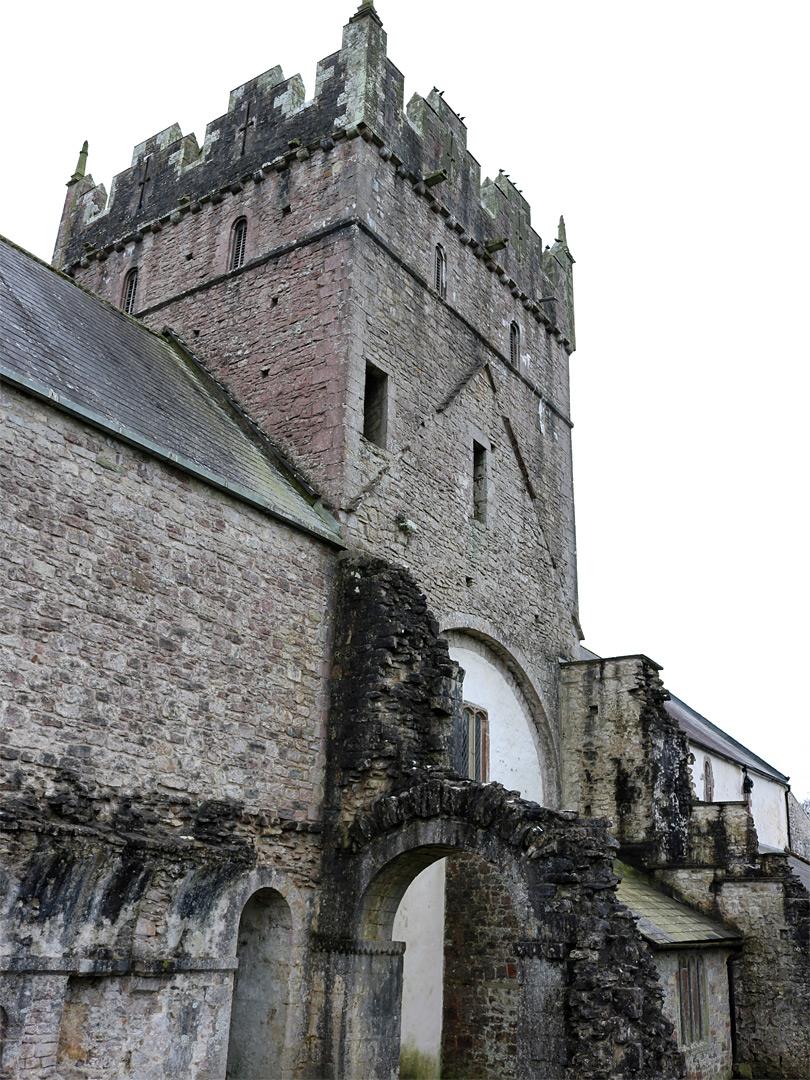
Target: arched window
x: 130, y: 290
x: 472, y: 743
x: 708, y: 781
x: 440, y: 271
x: 238, y: 243
x: 514, y: 343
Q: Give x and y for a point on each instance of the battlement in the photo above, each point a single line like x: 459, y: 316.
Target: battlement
x: 270, y: 125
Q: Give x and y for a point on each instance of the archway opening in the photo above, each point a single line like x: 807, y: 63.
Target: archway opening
x: 460, y: 988
x: 257, y: 1041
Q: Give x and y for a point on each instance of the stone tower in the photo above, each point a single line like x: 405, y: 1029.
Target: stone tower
x: 394, y: 325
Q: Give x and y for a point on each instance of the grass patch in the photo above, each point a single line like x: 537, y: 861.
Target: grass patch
x: 414, y: 1065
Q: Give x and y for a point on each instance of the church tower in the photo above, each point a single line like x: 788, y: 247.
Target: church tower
x: 393, y: 324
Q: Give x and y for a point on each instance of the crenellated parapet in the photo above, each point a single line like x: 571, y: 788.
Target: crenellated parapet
x: 271, y: 127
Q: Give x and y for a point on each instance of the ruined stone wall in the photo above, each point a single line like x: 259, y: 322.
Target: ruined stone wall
x: 624, y: 758
x: 588, y: 999
x: 394, y: 688
x: 163, y: 705
x: 771, y: 910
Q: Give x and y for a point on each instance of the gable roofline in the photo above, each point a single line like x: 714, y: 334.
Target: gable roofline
x: 77, y: 352
x: 710, y: 737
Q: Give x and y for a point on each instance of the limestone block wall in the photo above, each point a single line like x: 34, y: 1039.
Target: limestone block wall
x: 481, y: 998
x: 709, y: 1058
x: 799, y: 827
x: 159, y: 628
x: 162, y: 717
x: 771, y: 910
x: 624, y: 758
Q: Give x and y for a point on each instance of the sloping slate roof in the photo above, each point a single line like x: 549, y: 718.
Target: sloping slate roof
x: 665, y: 922
x: 801, y: 869
x: 700, y: 730
x: 67, y: 345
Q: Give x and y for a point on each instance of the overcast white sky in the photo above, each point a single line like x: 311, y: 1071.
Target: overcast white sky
x: 673, y: 138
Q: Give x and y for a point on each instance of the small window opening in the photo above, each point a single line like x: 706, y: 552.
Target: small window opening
x: 691, y: 999
x: 130, y: 290
x: 238, y: 243
x: 708, y: 781
x: 472, y: 744
x: 375, y: 406
x: 479, y: 483
x: 514, y: 343
x: 440, y: 271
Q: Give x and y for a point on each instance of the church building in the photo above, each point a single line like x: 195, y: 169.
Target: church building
x: 306, y: 773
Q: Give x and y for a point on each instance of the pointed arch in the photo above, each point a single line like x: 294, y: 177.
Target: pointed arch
x: 440, y: 271
x: 239, y: 231
x: 130, y: 291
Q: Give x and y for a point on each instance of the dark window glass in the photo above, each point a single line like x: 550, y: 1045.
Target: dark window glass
x: 130, y: 290
x: 239, y: 240
x: 440, y: 271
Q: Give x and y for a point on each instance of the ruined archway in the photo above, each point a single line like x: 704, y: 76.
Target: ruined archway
x: 588, y: 1001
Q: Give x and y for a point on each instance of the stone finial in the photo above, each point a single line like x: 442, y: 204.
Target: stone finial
x: 366, y: 8
x: 561, y: 237
x: 81, y: 166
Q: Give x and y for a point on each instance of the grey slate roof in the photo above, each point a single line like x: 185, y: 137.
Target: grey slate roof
x: 704, y: 733
x: 665, y: 922
x: 69, y: 347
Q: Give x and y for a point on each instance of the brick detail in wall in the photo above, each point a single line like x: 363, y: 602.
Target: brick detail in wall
x: 480, y: 1016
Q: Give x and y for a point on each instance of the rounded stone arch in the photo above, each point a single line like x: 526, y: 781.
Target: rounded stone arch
x: 225, y: 922
x: 401, y: 834
x: 412, y: 849
x: 557, y: 870
x: 525, y: 933
x: 470, y: 632
x: 264, y: 926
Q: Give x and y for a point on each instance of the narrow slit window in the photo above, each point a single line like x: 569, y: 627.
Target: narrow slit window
x: 238, y: 243
x: 130, y: 290
x: 440, y: 272
x: 708, y: 781
x: 514, y: 343
x: 375, y: 406
x: 479, y: 483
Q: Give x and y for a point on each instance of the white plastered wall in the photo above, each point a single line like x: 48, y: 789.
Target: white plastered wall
x: 768, y: 806
x: 514, y: 761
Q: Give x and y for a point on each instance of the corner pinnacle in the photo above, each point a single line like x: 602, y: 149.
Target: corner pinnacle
x: 561, y: 237
x: 366, y: 8
x: 81, y: 165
